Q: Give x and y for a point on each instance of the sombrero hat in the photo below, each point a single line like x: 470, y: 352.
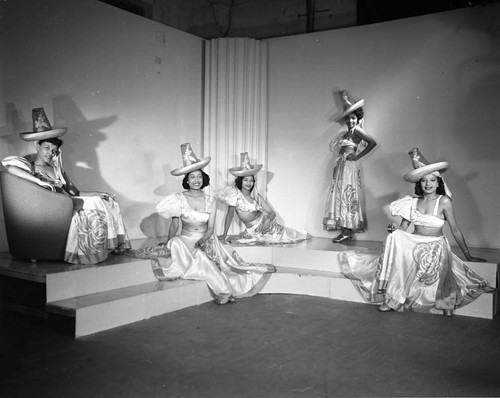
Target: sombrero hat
x: 42, y: 129
x: 245, y: 168
x: 348, y: 105
x: 190, y: 161
x: 422, y: 167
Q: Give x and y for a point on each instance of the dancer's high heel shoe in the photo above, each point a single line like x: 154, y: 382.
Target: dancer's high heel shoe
x: 342, y: 239
x: 448, y: 312
x: 384, y: 308
x: 224, y: 300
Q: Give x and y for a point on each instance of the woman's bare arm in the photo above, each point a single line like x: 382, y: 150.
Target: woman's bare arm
x: 27, y: 176
x: 174, y: 227
x: 371, y: 143
x: 449, y: 215
x: 228, y: 220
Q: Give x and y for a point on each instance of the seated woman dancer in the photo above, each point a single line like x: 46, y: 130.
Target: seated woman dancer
x: 418, y: 270
x: 196, y: 253
x: 253, y: 210
x: 97, y: 227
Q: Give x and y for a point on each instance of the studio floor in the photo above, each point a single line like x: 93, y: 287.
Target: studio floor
x: 264, y: 346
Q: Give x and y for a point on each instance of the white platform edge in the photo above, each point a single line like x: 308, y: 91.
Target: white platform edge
x: 74, y: 283
x: 109, y: 314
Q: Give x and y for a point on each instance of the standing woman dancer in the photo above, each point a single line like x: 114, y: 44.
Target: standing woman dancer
x: 343, y: 205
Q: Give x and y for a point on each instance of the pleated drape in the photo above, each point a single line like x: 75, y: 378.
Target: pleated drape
x: 235, y: 109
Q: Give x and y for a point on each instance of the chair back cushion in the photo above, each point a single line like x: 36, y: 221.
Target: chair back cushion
x: 36, y: 220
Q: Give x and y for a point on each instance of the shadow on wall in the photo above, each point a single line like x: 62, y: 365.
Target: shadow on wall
x: 14, y: 125
x: 81, y: 142
x: 83, y: 138
x: 154, y: 225
x: 79, y: 153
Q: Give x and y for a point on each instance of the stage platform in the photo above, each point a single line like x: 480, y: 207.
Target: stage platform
x: 123, y: 290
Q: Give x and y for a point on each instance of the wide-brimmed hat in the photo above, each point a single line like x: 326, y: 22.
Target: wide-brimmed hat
x: 348, y: 105
x: 42, y: 129
x: 190, y: 161
x: 422, y: 167
x: 245, y: 168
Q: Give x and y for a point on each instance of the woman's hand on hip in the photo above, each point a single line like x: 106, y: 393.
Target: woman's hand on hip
x: 105, y: 195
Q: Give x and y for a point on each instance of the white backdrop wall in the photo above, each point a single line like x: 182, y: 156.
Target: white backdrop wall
x: 128, y: 89
x: 130, y: 92
x: 431, y: 82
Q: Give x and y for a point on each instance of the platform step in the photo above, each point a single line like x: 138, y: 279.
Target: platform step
x: 343, y: 289
x: 101, y: 278
x: 105, y: 310
x: 124, y: 290
x: 328, y: 260
x: 332, y: 285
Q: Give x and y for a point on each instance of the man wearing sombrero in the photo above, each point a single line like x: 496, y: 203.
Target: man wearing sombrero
x: 418, y: 270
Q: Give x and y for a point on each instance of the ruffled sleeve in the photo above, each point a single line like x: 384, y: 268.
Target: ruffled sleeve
x: 229, y: 196
x: 170, y: 206
x: 402, y: 207
x: 19, y: 162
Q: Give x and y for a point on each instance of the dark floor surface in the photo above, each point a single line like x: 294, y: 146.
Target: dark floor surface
x: 265, y: 346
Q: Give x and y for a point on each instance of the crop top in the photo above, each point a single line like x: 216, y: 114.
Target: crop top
x: 232, y: 196
x: 348, y: 142
x: 176, y: 205
x: 407, y: 208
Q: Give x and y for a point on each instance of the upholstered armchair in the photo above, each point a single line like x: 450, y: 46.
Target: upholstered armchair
x: 37, y: 220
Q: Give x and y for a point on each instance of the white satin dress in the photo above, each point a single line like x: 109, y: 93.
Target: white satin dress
x: 254, y: 233
x: 225, y: 272
x: 414, y: 272
x: 97, y: 226
x: 344, y: 203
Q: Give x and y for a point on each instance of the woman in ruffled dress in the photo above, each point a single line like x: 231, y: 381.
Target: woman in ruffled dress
x: 343, y: 205
x: 253, y: 210
x: 96, y: 227
x: 196, y: 253
x: 418, y: 270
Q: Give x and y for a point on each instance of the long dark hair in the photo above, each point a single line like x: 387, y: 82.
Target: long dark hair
x: 206, y: 179
x: 440, y: 189
x: 360, y: 113
x: 239, y: 183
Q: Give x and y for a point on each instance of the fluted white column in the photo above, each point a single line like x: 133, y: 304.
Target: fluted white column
x: 235, y: 111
